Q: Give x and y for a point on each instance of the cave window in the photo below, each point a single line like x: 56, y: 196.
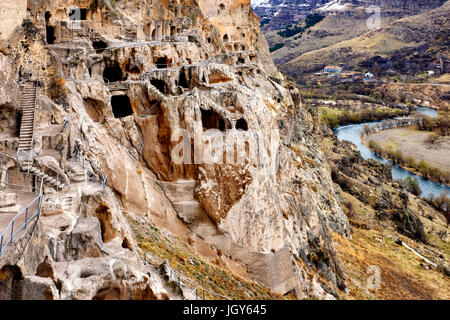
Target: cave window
x: 160, y: 85
x: 236, y: 47
x: 222, y: 6
x: 50, y: 34
x: 121, y: 106
x: 209, y: 40
x: 77, y: 14
x: 135, y: 70
x: 99, y: 45
x: 191, y: 39
x: 154, y: 35
x: 113, y: 72
x: 162, y: 63
x: 226, y: 38
x: 172, y: 31
x: 241, y: 124
x: 241, y: 60
x: 212, y: 120
x: 182, y: 80
x: 49, y: 30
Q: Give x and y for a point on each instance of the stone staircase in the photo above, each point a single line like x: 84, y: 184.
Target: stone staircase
x: 28, y: 105
x: 76, y: 171
x: 67, y: 203
x: 26, y: 166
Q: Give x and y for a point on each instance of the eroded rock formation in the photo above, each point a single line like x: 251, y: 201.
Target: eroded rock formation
x: 178, y: 104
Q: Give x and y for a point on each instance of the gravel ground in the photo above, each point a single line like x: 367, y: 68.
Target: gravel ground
x: 412, y: 143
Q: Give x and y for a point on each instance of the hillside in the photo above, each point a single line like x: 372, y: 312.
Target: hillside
x: 403, y: 37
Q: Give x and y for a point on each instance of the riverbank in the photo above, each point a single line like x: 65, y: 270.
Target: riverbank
x: 334, y: 117
x: 412, y: 151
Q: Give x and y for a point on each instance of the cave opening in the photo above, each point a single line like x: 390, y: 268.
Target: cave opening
x: 173, y: 30
x: 49, y: 30
x: 183, y: 80
x: 99, y: 45
x: 241, y: 60
x: 241, y: 124
x: 78, y: 14
x: 154, y: 35
x: 226, y: 38
x: 113, y: 72
x: 162, y: 62
x: 212, y: 120
x: 121, y: 106
x: 160, y: 85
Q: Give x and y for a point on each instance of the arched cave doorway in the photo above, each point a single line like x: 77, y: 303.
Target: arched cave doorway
x: 160, y: 85
x: 241, y: 124
x: 163, y: 62
x: 49, y: 30
x: 226, y: 38
x: 99, y: 45
x: 212, y: 120
x: 121, y: 106
x: 183, y: 82
x: 113, y: 72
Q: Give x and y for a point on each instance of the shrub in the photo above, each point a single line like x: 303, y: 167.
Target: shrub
x: 432, y: 139
x: 412, y: 184
x: 277, y: 47
x: 441, y: 203
x: 410, y: 162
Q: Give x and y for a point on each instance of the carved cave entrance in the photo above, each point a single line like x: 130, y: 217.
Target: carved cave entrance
x: 212, y: 120
x: 163, y: 63
x: 49, y: 30
x: 160, y: 85
x: 113, y: 72
x: 121, y: 106
x: 99, y: 45
x: 241, y: 124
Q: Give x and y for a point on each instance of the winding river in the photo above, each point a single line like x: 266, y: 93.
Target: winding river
x: 352, y: 133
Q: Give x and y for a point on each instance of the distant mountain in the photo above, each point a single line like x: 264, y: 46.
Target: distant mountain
x: 276, y: 14
x: 306, y: 34
x: 409, y: 45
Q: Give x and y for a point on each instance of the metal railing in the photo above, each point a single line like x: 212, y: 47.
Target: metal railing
x: 22, y: 219
x: 103, y: 179
x: 6, y: 176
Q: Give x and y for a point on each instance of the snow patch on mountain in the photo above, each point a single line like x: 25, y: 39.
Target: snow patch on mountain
x: 334, y: 5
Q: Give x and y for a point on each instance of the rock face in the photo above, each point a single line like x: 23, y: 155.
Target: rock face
x: 180, y: 107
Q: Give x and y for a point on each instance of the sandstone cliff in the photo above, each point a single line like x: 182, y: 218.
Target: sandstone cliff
x: 136, y: 92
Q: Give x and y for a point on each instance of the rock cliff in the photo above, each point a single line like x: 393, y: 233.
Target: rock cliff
x: 171, y: 113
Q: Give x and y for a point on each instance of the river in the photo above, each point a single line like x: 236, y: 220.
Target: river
x: 352, y: 133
